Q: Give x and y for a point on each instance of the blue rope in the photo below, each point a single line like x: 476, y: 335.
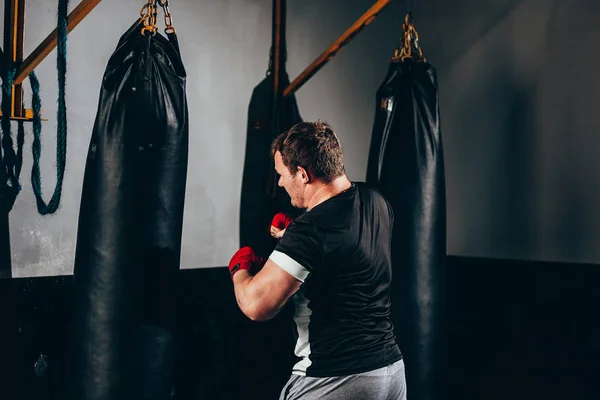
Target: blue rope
x: 10, y: 161
x: 61, y: 134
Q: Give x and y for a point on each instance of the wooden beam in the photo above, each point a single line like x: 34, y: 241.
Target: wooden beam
x: 14, y: 21
x: 42, y: 51
x: 332, y: 50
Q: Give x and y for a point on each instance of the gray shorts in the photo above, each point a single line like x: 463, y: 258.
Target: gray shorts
x: 387, y: 383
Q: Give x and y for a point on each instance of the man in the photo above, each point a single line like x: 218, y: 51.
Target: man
x: 335, y: 262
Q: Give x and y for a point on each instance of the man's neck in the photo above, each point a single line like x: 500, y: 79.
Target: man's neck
x: 325, y: 191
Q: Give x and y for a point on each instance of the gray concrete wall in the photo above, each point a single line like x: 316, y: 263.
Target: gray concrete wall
x: 520, y: 103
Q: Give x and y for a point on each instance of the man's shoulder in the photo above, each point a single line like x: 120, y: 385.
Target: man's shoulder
x: 369, y: 191
x: 365, y: 188
x: 305, y: 223
x: 371, y: 195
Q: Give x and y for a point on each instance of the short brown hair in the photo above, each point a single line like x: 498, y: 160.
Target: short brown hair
x: 313, y: 146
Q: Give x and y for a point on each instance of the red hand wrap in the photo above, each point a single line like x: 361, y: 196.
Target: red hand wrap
x: 281, y: 221
x: 245, y: 258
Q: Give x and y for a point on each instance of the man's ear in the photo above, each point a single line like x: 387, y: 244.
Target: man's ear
x: 304, y: 175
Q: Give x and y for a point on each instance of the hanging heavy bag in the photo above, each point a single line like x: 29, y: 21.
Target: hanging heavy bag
x: 269, y: 114
x: 130, y: 223
x: 261, y: 199
x: 406, y: 164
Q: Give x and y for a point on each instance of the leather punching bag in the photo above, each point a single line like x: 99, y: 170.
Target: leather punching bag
x: 269, y: 114
x: 261, y: 198
x: 130, y: 224
x: 406, y: 163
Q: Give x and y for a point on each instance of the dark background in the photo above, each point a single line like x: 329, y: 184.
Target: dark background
x: 515, y: 330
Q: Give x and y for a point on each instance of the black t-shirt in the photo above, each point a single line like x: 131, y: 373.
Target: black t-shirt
x: 341, y: 251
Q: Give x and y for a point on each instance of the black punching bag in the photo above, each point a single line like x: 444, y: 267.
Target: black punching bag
x: 130, y: 224
x: 269, y: 114
x: 261, y: 199
x: 406, y: 163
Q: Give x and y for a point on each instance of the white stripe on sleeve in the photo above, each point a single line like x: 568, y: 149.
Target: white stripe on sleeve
x: 289, y: 265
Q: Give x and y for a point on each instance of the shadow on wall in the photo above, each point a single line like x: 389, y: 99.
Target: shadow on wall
x: 485, y: 153
x: 514, y: 194
x: 521, y: 127
x: 459, y: 28
x: 569, y: 111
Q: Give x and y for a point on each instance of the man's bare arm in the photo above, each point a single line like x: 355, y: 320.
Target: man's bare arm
x: 263, y: 295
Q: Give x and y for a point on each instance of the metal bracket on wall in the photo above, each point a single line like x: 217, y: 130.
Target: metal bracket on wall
x: 14, y: 28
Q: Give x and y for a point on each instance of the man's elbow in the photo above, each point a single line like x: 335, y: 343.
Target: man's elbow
x: 258, y: 313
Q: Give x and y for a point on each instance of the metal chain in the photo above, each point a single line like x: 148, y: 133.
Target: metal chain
x: 148, y: 15
x: 411, y: 40
x: 168, y: 17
